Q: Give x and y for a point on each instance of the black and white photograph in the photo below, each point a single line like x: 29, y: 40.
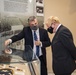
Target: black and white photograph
x: 39, y: 1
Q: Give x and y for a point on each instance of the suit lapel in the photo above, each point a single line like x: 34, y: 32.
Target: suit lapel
x: 56, y: 34
x: 40, y: 34
x: 30, y: 36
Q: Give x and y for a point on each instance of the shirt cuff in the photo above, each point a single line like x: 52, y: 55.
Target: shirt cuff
x: 41, y: 44
x: 10, y: 40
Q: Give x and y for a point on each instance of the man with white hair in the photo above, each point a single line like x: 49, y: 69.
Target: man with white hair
x: 63, y: 48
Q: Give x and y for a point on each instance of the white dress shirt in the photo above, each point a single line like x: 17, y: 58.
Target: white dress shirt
x: 34, y: 47
x: 58, y: 27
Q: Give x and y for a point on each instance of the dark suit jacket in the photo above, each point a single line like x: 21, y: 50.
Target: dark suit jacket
x: 64, y: 51
x: 26, y: 33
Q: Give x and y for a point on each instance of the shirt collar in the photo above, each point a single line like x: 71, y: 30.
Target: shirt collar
x: 36, y: 30
x: 58, y: 27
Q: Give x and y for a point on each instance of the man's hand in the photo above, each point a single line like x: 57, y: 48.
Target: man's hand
x: 7, y: 42
x: 47, y: 25
x: 37, y: 43
x: 7, y: 51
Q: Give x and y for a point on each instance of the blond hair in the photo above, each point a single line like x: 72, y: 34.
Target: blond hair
x: 52, y: 19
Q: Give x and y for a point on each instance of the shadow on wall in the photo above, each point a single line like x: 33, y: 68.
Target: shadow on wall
x: 72, y: 9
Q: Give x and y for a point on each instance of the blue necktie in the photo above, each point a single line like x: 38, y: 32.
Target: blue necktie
x: 37, y: 47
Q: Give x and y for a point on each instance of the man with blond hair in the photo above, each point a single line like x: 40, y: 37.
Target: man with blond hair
x: 63, y: 48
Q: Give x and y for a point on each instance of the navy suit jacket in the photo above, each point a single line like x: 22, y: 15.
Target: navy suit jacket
x: 64, y: 51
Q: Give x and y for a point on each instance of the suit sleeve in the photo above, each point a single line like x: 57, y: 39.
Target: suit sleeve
x: 18, y: 36
x: 67, y: 41
x: 46, y: 42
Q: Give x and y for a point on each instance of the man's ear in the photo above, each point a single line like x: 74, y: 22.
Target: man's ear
x: 28, y: 21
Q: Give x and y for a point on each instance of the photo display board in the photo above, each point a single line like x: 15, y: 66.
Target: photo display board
x: 14, y: 15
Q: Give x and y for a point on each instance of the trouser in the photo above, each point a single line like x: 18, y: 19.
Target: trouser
x: 43, y: 66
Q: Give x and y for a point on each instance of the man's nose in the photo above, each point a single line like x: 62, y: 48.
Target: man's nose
x: 35, y: 24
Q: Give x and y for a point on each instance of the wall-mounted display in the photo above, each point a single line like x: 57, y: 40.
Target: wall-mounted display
x: 14, y: 15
